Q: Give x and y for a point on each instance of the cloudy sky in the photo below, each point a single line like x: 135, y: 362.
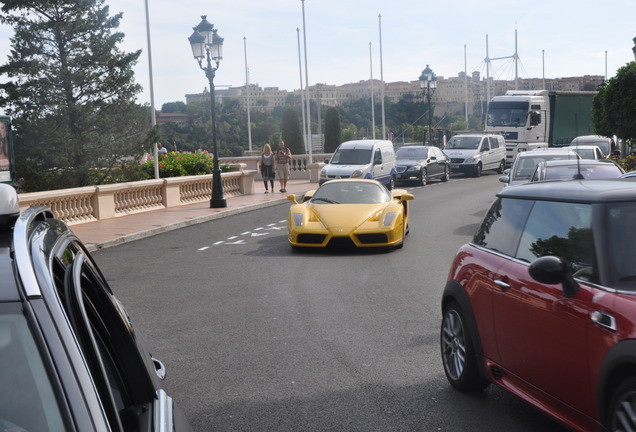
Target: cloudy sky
x: 566, y: 37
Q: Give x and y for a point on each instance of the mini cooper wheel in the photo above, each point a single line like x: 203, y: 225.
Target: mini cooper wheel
x: 622, y: 414
x: 458, y: 354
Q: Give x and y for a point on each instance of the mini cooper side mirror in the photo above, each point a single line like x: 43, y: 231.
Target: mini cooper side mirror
x: 553, y: 270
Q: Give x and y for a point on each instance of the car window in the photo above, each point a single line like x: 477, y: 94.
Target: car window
x: 465, y: 143
x: 563, y: 230
x: 105, y: 336
x: 621, y: 237
x: 411, y: 153
x: 494, y: 143
x: 351, y: 157
x: 377, y: 157
x: 502, y: 225
x: 484, y: 144
x: 27, y: 399
x: 351, y: 193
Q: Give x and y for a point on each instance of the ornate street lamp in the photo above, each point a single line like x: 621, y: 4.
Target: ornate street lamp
x: 428, y: 83
x: 205, y: 42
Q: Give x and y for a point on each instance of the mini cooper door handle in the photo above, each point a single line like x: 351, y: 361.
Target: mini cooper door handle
x: 604, y: 319
x: 502, y: 284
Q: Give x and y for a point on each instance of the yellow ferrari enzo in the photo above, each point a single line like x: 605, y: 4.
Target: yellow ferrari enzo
x: 349, y: 212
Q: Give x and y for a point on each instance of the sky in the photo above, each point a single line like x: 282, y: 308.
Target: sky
x: 351, y: 40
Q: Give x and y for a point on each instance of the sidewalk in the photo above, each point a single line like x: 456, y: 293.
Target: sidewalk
x: 113, y: 232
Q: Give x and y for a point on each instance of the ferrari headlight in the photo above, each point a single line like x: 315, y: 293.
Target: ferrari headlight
x: 356, y: 174
x: 388, y: 218
x: 298, y: 219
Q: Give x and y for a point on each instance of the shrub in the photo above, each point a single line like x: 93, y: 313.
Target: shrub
x: 176, y: 164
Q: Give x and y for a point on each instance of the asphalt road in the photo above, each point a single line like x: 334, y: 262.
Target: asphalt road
x: 256, y: 337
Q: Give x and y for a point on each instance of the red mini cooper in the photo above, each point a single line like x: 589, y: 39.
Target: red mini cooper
x: 542, y: 302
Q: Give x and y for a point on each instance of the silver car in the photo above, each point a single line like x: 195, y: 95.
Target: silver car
x: 525, y: 164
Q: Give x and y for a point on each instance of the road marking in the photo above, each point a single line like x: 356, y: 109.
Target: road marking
x: 256, y: 232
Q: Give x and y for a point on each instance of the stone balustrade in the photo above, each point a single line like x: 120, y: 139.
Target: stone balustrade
x: 93, y: 203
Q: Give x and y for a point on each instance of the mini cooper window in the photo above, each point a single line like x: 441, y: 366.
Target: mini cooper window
x: 502, y: 225
x: 621, y: 226
x: 27, y: 400
x: 563, y: 230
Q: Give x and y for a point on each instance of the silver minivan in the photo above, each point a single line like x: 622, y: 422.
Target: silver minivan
x: 473, y: 153
x: 367, y: 159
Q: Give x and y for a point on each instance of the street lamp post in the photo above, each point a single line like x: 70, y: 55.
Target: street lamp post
x: 206, y: 43
x: 428, y: 82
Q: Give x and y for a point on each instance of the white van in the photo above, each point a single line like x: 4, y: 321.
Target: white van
x: 473, y: 153
x: 367, y: 159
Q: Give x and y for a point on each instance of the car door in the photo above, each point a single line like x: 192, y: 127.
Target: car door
x: 378, y: 165
x: 435, y: 162
x: 121, y: 367
x: 542, y: 335
x: 486, y: 154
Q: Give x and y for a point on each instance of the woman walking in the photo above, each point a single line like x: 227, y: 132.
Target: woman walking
x: 267, y: 166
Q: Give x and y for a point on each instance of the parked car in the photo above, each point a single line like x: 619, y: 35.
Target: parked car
x: 422, y: 163
x: 474, y: 153
x: 606, y: 144
x: 542, y: 302
x: 71, y: 358
x: 526, y: 163
x: 349, y: 213
x: 582, y: 169
x: 365, y: 159
x: 588, y: 151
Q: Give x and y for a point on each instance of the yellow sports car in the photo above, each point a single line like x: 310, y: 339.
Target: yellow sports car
x: 349, y: 212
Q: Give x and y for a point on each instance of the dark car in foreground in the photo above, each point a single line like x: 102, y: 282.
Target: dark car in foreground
x: 421, y: 163
x: 70, y: 357
x: 581, y: 169
x: 542, y: 302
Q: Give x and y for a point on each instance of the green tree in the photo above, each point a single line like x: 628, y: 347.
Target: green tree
x: 71, y: 92
x: 332, y: 129
x: 291, y: 131
x: 614, y: 108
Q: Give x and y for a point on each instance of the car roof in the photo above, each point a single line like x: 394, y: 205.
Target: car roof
x: 585, y: 191
x: 582, y: 146
x: 590, y: 138
x: 559, y: 150
x: 578, y: 162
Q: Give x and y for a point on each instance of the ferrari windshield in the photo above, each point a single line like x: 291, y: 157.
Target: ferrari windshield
x: 352, y: 156
x: 337, y: 192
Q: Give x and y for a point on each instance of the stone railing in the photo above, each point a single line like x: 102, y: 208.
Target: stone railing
x: 92, y: 203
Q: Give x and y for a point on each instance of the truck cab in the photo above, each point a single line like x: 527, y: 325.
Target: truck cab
x: 522, y: 117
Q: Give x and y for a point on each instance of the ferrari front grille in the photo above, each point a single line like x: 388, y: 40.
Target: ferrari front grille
x: 311, y: 238
x: 372, y: 238
x: 341, y: 242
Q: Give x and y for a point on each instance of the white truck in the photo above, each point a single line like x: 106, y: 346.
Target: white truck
x: 531, y: 119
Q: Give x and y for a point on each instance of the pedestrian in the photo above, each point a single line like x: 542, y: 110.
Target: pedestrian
x: 283, y: 159
x: 161, y: 149
x: 4, y: 146
x: 266, y: 165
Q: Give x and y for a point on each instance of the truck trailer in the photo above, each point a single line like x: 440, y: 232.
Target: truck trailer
x: 530, y: 119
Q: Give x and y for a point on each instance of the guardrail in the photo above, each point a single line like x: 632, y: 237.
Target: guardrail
x: 93, y: 203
